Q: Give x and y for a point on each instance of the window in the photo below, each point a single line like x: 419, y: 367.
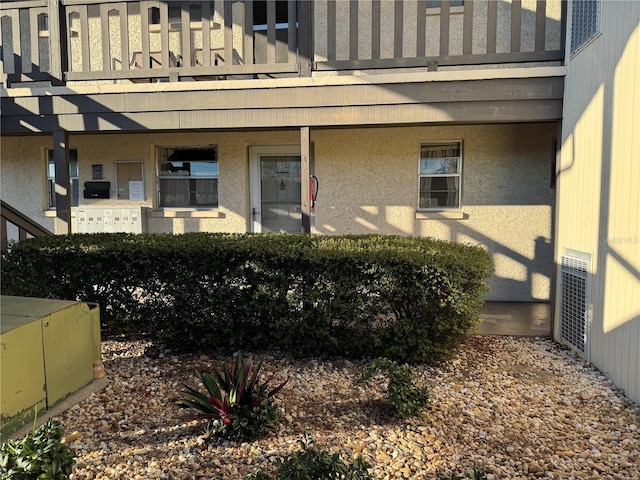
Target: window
x: 585, y: 22
x: 51, y: 178
x: 440, y: 171
x: 188, y: 177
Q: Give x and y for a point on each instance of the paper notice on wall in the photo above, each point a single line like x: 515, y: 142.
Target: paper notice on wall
x: 136, y: 190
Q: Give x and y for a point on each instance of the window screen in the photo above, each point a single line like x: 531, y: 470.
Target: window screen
x: 585, y: 22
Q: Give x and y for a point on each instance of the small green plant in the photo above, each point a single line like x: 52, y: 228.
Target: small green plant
x: 406, y: 398
x: 40, y: 455
x: 476, y: 475
x: 239, y: 404
x: 314, y: 464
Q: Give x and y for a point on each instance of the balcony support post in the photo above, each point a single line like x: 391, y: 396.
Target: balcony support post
x: 62, y: 179
x: 305, y: 175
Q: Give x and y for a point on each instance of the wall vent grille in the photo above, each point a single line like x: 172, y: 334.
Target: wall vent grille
x: 574, y: 303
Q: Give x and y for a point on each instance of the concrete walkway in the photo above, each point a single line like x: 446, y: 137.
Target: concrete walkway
x: 517, y: 319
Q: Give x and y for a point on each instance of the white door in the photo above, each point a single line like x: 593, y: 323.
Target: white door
x: 275, y: 189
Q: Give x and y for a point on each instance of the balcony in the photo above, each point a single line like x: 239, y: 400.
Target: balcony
x: 75, y: 42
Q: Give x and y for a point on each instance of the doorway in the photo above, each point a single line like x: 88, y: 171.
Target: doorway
x: 275, y: 189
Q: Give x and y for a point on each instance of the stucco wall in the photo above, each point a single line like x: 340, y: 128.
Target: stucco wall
x: 23, y: 168
x: 507, y: 202
x: 368, y: 184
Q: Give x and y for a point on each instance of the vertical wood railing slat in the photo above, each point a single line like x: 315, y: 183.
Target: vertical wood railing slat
x: 248, y: 32
x: 292, y: 31
x: 67, y: 13
x: 84, y: 38
x: 305, y: 30
x: 228, y: 33
x: 398, y: 28
x: 541, y: 21
x: 15, y: 40
x: 164, y: 35
x: 105, y: 36
x: 516, y: 24
x: 34, y: 40
x: 59, y: 42
x: 331, y: 31
x: 467, y: 29
x: 185, y: 24
x: 492, y: 25
x: 124, y: 34
x: 375, y: 29
x: 444, y: 27
x: 421, y: 28
x: 353, y: 30
x: 145, y: 5
x: 205, y: 20
x: 271, y: 32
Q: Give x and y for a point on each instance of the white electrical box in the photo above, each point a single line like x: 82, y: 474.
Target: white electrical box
x: 111, y: 220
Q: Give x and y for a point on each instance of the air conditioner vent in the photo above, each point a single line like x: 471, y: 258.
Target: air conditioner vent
x: 574, y: 303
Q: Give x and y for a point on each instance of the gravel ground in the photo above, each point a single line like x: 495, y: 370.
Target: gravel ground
x: 517, y: 408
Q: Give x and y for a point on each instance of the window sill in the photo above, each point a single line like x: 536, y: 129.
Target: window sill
x: 168, y: 213
x: 52, y: 213
x: 441, y: 215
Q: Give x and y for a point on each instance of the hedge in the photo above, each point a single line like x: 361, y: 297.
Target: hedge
x: 406, y: 298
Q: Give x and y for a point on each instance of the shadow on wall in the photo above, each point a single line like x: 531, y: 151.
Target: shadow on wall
x: 518, y: 276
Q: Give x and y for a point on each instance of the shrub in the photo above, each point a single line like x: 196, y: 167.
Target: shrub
x: 312, y: 463
x: 239, y: 405
x: 406, y: 398
x: 40, y: 455
x: 406, y: 298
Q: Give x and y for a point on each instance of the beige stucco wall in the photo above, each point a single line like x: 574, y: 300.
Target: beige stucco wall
x: 372, y: 187
x: 23, y: 168
x: 598, y: 188
x: 368, y: 184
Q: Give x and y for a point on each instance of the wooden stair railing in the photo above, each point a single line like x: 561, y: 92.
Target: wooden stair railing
x: 25, y: 225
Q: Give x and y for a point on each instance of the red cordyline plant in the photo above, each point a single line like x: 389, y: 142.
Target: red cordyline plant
x: 239, y: 404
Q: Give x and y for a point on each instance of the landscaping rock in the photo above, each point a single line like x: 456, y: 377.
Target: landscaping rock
x: 517, y: 408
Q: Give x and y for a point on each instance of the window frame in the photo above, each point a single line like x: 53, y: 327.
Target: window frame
x: 160, y: 177
x: 51, y: 180
x: 458, y: 175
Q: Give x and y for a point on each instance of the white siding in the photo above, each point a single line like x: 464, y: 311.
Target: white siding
x: 599, y: 187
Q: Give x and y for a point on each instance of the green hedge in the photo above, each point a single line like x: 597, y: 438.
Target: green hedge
x: 405, y: 298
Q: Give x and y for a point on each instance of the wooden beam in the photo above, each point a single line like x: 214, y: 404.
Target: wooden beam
x: 398, y: 30
x: 513, y: 99
x: 62, y: 179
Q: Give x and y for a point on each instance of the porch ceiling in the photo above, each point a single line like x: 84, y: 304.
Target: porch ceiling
x: 521, y: 95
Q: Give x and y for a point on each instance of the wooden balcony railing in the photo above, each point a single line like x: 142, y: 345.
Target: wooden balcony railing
x: 132, y: 41
x: 24, y: 226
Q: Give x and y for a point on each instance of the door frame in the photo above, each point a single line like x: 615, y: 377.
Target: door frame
x: 255, y: 190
